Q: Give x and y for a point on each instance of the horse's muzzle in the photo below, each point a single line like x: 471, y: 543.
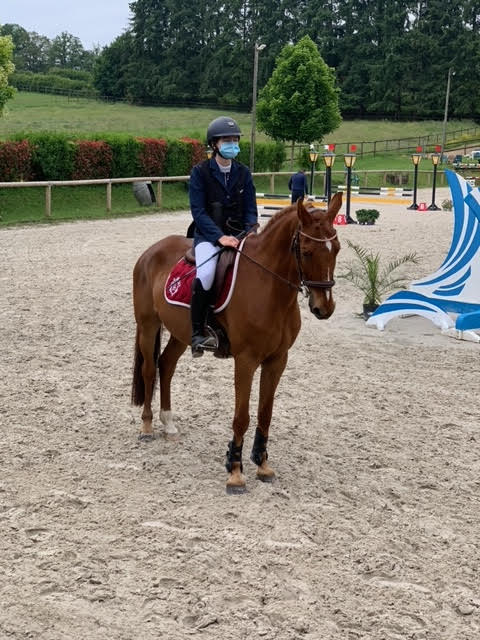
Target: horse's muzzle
x: 322, y: 311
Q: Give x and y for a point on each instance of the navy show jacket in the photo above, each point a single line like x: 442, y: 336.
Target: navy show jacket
x: 205, y: 227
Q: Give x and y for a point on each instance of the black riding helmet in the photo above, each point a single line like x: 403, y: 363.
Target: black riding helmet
x: 221, y: 128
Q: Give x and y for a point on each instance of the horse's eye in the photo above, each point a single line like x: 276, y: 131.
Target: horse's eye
x: 306, y: 254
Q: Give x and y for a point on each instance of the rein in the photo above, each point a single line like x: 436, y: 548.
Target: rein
x: 315, y: 284
x: 272, y: 273
x: 304, y: 284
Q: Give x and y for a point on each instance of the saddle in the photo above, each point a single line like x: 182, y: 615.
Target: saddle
x: 225, y: 261
x: 212, y: 326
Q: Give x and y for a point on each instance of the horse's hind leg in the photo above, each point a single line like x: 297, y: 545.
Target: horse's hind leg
x: 272, y: 370
x: 166, y: 367
x: 148, y: 336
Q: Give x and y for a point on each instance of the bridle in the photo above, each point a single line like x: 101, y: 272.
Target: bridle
x: 313, y: 284
x: 305, y: 285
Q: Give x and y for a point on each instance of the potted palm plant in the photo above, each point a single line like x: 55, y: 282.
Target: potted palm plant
x: 374, y: 281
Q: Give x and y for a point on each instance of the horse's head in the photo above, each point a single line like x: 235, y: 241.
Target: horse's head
x: 316, y: 246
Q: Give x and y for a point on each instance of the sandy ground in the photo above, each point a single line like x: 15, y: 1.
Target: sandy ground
x: 371, y: 530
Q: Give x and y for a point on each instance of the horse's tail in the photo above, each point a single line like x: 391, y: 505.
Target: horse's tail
x: 138, y: 384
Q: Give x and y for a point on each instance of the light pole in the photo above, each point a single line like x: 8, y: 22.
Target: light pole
x: 328, y: 159
x: 313, y: 158
x: 435, y: 159
x: 349, y: 160
x: 416, y: 157
x: 451, y: 73
x: 257, y: 48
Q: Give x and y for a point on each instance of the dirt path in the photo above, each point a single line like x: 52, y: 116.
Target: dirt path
x: 370, y: 532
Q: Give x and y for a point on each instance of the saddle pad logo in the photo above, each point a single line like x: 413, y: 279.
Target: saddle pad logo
x: 174, y: 286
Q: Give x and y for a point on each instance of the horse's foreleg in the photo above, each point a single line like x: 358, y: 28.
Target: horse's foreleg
x: 244, y: 371
x: 272, y: 370
x: 147, y: 342
x: 166, y: 367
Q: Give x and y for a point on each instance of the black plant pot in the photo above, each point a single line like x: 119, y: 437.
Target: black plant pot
x: 368, y: 309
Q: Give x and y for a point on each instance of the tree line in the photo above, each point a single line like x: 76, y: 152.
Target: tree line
x: 391, y: 57
x: 36, y: 53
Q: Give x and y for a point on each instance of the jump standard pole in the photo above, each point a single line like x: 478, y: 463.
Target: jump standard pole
x: 435, y: 161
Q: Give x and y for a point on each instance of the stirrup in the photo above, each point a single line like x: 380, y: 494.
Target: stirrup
x: 202, y: 343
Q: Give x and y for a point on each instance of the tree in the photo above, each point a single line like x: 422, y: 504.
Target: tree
x: 300, y: 101
x: 111, y: 69
x: 67, y: 52
x: 6, y: 69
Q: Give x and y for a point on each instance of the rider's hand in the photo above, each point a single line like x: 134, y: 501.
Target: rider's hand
x: 228, y: 241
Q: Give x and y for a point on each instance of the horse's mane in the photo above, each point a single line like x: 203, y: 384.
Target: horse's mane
x: 278, y: 217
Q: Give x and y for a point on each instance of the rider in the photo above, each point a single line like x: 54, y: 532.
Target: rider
x: 223, y: 204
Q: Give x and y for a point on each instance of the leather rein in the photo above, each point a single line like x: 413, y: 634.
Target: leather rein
x: 295, y: 247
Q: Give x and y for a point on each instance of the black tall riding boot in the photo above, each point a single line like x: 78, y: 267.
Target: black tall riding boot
x: 199, y: 307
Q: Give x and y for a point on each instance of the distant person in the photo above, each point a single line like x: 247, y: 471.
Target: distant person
x: 298, y: 185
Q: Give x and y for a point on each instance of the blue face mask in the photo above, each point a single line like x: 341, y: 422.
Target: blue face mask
x: 229, y: 150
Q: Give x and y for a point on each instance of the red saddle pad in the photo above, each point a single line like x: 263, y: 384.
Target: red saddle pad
x: 178, y: 287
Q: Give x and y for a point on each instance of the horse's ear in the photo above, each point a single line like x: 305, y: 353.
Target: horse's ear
x: 334, y: 206
x: 302, y: 213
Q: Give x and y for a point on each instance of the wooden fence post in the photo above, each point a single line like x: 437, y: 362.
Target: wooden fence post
x: 109, y: 197
x: 48, y: 200
x: 159, y: 194
x: 272, y: 183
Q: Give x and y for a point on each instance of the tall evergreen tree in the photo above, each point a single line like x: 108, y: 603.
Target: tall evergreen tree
x: 390, y: 56
x: 114, y: 66
x: 394, y: 61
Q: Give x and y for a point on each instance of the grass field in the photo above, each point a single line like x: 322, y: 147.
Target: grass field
x: 43, y: 112
x: 40, y: 112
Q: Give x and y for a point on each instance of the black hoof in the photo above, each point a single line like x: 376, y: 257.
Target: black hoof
x: 267, y: 479
x: 146, y: 437
x: 236, y: 491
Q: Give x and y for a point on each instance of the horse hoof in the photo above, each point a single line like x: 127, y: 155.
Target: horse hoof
x: 172, y: 437
x: 146, y: 437
x: 265, y: 478
x: 236, y: 490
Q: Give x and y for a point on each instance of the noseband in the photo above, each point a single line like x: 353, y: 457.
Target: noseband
x: 314, y: 284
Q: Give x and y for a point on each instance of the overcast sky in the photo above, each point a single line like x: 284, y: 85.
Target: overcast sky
x: 93, y: 21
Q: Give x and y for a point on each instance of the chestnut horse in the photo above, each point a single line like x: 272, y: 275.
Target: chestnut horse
x: 296, y: 249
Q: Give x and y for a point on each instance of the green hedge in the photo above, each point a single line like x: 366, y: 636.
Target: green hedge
x: 52, y: 83
x: 178, y: 158
x: 269, y: 156
x: 53, y: 155
x: 60, y: 156
x: 125, y: 150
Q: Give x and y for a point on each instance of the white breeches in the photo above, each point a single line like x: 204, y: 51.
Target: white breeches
x: 206, y: 272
